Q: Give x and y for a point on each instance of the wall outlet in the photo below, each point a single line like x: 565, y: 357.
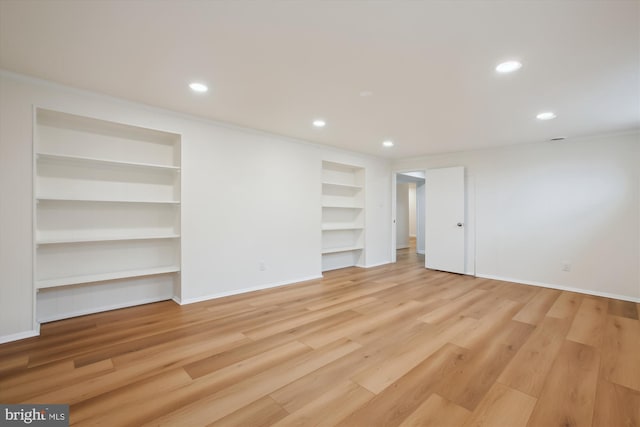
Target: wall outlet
x: 262, y: 266
x: 566, y: 266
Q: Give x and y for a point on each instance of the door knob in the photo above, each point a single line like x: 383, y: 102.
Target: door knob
x: 459, y: 224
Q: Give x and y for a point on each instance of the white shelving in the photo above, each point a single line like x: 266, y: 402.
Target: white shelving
x: 340, y: 185
x: 343, y: 249
x: 106, y: 216
x: 69, y: 199
x: 92, y: 278
x: 85, y: 160
x: 339, y: 226
x: 102, y: 239
x: 342, y: 215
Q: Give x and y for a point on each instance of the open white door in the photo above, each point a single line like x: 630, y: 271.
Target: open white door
x: 444, y: 228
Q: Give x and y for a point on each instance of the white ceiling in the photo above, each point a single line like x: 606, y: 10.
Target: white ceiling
x: 277, y: 65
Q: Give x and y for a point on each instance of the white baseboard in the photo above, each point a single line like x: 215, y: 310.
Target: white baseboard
x: 377, y: 265
x: 101, y: 309
x: 18, y: 336
x: 402, y: 247
x: 561, y: 288
x: 243, y: 290
x: 420, y: 252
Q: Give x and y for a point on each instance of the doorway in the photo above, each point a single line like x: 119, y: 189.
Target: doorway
x: 445, y: 220
x: 409, y: 217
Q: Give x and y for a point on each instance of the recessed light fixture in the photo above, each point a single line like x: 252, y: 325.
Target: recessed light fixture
x: 387, y: 143
x: 547, y: 115
x: 198, y: 87
x: 508, y: 67
x: 319, y: 123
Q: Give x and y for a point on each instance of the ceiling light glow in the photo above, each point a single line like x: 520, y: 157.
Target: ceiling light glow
x: 508, y: 67
x: 387, y: 143
x: 198, y: 87
x: 319, y: 123
x: 547, y: 115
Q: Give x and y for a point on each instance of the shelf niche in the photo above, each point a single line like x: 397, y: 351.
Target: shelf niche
x: 106, y: 215
x: 343, y: 213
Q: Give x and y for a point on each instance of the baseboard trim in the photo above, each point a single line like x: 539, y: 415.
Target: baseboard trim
x: 376, y: 265
x: 420, y: 252
x: 402, y: 247
x: 18, y: 336
x: 561, y: 288
x: 244, y: 290
x: 102, y: 309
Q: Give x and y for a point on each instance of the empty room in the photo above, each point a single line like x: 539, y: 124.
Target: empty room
x: 320, y: 213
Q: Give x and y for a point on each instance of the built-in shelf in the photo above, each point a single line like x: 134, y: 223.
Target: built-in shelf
x: 340, y: 185
x: 345, y: 249
x: 103, y: 239
x: 95, y: 160
x: 336, y: 227
x: 66, y: 281
x: 106, y: 214
x: 345, y: 206
x: 342, y: 205
x: 61, y: 199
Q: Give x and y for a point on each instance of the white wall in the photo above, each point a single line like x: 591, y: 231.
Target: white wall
x: 532, y: 207
x: 421, y: 209
x: 247, y: 197
x: 402, y: 215
x: 412, y: 209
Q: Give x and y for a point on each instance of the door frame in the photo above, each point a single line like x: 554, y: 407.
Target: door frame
x: 394, y: 187
x: 471, y: 242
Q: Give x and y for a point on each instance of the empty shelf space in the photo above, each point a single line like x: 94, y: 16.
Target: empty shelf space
x: 102, y: 239
x: 340, y: 185
x: 342, y: 206
x: 95, y: 160
x: 66, y: 281
x: 345, y: 249
x: 338, y: 226
x: 61, y: 199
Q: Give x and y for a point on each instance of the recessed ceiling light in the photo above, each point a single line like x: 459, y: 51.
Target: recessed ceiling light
x: 387, y: 143
x: 198, y: 87
x: 547, y: 115
x: 319, y: 123
x: 508, y: 67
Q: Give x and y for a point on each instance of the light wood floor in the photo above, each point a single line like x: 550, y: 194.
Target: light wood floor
x: 388, y: 346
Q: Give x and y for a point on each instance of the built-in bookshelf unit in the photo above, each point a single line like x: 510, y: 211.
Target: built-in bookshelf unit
x: 106, y: 216
x: 342, y: 215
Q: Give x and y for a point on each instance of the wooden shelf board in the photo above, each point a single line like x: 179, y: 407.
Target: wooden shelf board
x: 104, y: 239
x: 66, y: 281
x: 96, y: 160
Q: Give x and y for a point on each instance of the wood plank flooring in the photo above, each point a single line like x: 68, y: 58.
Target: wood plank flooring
x: 396, y: 345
